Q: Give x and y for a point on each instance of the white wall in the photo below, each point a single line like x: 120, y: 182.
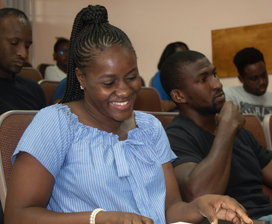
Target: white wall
x: 151, y: 24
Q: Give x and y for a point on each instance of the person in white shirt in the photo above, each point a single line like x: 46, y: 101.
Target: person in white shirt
x: 252, y: 97
x: 59, y: 71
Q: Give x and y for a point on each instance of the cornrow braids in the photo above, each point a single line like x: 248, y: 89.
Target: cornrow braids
x: 91, y: 32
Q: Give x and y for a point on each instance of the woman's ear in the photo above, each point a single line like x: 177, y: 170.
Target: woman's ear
x: 178, y: 96
x: 80, y: 77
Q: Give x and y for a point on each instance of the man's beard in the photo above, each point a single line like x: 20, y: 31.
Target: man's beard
x: 211, y: 110
x: 208, y: 111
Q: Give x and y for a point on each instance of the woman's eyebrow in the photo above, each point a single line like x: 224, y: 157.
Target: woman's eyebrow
x: 113, y: 75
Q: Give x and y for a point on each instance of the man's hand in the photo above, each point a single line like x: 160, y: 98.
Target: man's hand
x: 230, y: 115
x: 215, y: 207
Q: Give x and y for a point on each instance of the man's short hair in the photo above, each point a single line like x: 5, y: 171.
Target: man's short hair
x: 247, y: 56
x: 59, y: 42
x: 172, y: 72
x: 6, y: 12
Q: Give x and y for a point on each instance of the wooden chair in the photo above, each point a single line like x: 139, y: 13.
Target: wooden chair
x: 148, y: 99
x: 30, y: 73
x: 12, y: 126
x: 267, y: 127
x: 41, y: 68
x: 49, y: 88
x: 164, y: 117
x: 254, y: 125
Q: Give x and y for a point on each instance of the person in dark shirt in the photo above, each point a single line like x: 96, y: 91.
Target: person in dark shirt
x: 16, y: 92
x: 215, y: 154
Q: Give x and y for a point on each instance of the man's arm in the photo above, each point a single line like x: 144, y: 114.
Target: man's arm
x: 267, y: 175
x: 211, y: 175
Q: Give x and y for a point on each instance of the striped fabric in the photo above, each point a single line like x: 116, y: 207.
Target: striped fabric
x: 93, y: 169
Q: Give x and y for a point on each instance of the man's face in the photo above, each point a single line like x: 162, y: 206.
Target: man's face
x: 255, y: 79
x: 15, y: 40
x: 203, y: 90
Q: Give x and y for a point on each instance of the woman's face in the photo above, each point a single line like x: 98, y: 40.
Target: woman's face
x: 111, y: 83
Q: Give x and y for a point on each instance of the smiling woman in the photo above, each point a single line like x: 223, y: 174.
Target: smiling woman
x: 91, y: 158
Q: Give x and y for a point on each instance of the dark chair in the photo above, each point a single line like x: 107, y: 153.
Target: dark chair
x: 49, y: 88
x: 148, y: 99
x: 41, y: 68
x: 31, y: 73
x: 254, y: 125
x: 142, y: 82
x: 12, y: 126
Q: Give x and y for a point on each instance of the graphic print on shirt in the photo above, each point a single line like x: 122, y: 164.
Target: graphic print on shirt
x: 259, y: 110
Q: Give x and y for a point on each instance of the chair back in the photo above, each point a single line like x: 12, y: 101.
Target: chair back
x: 41, y: 68
x: 164, y: 117
x: 254, y: 125
x: 49, y: 88
x: 148, y: 99
x: 267, y: 127
x: 12, y: 126
x: 30, y: 73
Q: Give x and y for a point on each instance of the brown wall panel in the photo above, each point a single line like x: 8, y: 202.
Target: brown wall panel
x: 227, y: 42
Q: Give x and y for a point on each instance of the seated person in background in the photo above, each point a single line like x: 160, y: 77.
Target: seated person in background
x: 252, y: 97
x: 215, y: 154
x: 59, y: 71
x: 93, y: 152
x: 167, y: 103
x: 59, y: 92
x: 16, y: 92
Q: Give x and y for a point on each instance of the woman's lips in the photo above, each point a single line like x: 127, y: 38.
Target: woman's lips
x: 121, y: 105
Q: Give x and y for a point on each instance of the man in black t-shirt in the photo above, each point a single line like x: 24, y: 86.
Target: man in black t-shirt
x: 215, y: 154
x: 16, y: 92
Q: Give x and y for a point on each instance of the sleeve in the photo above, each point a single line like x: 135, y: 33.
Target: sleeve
x: 59, y: 92
x: 230, y: 95
x: 161, y: 144
x: 263, y: 155
x: 50, y: 74
x: 156, y: 83
x: 47, y: 139
x: 184, y: 145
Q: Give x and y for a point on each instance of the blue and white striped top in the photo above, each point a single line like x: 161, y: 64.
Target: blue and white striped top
x: 93, y: 169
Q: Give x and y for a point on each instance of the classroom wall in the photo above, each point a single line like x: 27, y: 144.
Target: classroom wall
x: 151, y: 25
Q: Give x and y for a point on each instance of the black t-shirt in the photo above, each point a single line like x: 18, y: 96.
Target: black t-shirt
x: 20, y: 93
x: 191, y: 143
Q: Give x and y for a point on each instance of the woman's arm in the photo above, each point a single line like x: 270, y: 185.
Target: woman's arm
x: 29, y: 191
x: 212, y: 207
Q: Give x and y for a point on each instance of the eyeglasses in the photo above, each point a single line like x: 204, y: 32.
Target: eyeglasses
x: 63, y: 51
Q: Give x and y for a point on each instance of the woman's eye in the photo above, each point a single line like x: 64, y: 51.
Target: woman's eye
x: 108, y: 83
x: 132, y: 78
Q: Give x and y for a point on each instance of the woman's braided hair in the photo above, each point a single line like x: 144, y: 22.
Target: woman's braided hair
x: 91, y: 32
